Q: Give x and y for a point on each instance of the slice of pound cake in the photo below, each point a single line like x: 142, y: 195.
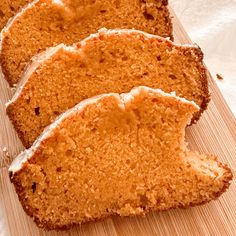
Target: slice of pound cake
x: 110, y: 61
x: 8, y: 8
x: 46, y: 23
x: 116, y: 155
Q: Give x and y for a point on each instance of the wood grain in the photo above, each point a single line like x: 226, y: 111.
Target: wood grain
x: 214, y: 133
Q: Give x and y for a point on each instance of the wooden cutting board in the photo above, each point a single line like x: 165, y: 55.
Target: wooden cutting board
x: 214, y: 133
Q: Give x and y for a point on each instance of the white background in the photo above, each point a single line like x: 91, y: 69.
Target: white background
x: 212, y: 25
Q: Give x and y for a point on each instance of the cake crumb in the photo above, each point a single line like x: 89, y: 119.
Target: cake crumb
x: 219, y: 77
x: 8, y: 9
x: 13, y: 89
x: 5, y: 151
x: 6, y: 160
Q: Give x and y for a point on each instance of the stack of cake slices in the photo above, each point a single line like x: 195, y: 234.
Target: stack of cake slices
x: 103, y: 97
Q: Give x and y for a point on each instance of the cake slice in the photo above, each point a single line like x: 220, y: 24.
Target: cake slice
x: 9, y: 8
x: 116, y: 155
x: 46, y: 23
x: 110, y: 61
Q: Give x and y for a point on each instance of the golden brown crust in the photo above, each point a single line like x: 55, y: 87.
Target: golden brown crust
x: 5, y: 72
x: 205, y: 89
x: 169, y: 21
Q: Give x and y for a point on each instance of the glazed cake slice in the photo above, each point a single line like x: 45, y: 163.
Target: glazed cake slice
x: 116, y: 155
x: 9, y: 8
x: 46, y: 23
x: 110, y: 61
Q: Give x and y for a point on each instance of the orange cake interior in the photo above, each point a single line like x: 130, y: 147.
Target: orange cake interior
x: 9, y: 8
x: 116, y: 155
x: 110, y: 61
x: 46, y: 23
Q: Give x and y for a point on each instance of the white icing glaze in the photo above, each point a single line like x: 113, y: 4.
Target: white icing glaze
x: 121, y: 100
x: 135, y: 91
x: 132, y: 31
x: 59, y: 2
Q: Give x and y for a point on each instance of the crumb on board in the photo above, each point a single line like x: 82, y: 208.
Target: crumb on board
x: 219, y: 77
x: 5, y: 151
x: 6, y: 159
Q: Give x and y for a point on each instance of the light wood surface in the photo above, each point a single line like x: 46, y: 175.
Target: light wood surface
x: 214, y: 133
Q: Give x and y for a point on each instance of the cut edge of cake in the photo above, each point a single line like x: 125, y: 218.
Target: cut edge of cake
x: 77, y: 49
x: 13, y: 18
x: 7, y: 26
x: 38, y: 59
x: 122, y: 98
x: 14, y: 11
x: 21, y: 160
x: 61, y: 4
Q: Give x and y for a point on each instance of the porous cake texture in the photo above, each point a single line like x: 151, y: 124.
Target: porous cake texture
x: 9, y: 8
x: 116, y: 155
x: 46, y: 23
x: 110, y: 61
